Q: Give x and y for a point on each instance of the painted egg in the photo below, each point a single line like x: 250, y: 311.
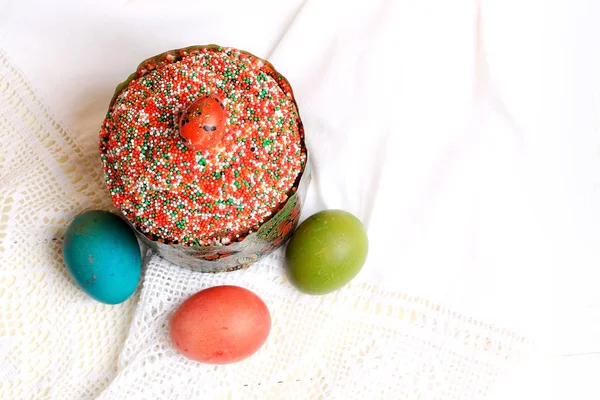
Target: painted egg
x: 202, y: 125
x: 103, y: 256
x: 326, y: 252
x: 220, y: 325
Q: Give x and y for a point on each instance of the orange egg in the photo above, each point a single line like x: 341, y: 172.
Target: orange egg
x: 221, y: 325
x: 202, y: 125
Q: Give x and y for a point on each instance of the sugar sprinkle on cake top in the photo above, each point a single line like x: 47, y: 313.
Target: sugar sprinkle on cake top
x: 177, y: 194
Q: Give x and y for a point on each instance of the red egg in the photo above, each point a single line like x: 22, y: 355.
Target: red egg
x: 221, y: 325
x: 202, y: 125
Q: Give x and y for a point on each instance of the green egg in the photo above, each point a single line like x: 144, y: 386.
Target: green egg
x: 326, y: 252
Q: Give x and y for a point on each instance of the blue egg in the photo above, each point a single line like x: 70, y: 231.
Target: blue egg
x: 103, y: 256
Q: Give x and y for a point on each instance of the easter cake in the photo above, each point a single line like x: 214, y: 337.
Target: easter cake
x: 203, y: 153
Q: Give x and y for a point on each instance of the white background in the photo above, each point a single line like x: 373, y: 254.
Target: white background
x: 491, y: 106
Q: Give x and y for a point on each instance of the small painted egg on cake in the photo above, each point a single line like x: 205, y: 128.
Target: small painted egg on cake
x: 102, y: 255
x: 202, y: 125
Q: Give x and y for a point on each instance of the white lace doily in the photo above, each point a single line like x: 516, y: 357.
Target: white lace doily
x: 58, y: 343
x: 360, y: 342
x: 55, y: 342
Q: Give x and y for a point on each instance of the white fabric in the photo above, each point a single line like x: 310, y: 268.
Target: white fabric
x: 464, y: 135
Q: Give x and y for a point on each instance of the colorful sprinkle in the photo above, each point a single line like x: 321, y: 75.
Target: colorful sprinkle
x: 202, y: 192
